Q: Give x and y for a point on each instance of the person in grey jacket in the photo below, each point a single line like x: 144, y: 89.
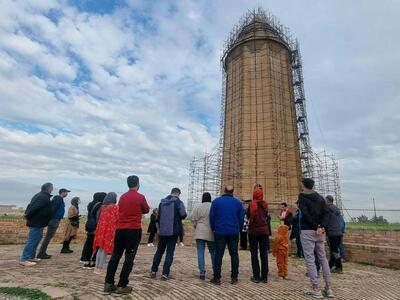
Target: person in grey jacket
x: 203, y: 233
x: 171, y: 212
x: 335, y: 235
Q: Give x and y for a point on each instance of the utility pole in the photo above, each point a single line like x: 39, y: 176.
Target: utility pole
x: 373, y: 200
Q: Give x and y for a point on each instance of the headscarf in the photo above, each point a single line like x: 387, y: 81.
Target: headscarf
x: 97, y: 197
x: 110, y: 198
x: 206, y: 197
x: 257, y: 198
x: 75, y: 202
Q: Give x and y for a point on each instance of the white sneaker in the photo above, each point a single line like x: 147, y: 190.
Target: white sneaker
x: 328, y: 293
x: 150, y: 245
x: 314, y: 294
x: 83, y: 262
x: 35, y: 260
x: 98, y: 271
x: 181, y: 244
x: 27, y: 263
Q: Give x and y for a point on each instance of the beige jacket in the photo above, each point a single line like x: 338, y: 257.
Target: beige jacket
x: 201, y: 221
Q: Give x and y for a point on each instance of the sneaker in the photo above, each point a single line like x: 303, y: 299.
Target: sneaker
x: 109, y: 288
x: 202, y: 277
x: 255, y: 280
x: 215, y: 281
x: 165, y: 277
x: 337, y: 271
x: 27, y: 263
x: 150, y: 245
x: 89, y: 266
x: 44, y: 256
x: 83, y: 262
x: 66, y: 251
x: 98, y: 271
x: 328, y: 293
x: 314, y: 294
x: 182, y: 244
x: 123, y: 290
x: 35, y: 260
x: 153, y: 275
x: 234, y: 281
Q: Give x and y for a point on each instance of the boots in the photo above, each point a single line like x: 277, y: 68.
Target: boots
x: 65, y: 248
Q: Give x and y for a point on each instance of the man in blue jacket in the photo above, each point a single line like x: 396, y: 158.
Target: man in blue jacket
x: 171, y: 212
x: 58, y: 207
x: 226, y: 220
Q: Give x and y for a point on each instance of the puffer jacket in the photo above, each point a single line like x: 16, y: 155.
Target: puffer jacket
x: 334, y: 227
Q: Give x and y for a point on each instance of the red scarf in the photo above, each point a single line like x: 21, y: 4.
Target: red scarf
x: 257, y: 198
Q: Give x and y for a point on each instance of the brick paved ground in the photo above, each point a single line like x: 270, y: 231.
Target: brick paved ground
x: 62, y: 277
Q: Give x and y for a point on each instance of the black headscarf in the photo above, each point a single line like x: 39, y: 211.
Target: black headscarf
x: 97, y: 197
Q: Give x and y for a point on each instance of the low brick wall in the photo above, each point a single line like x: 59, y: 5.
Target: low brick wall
x: 381, y: 248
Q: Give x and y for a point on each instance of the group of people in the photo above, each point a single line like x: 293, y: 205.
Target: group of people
x: 43, y: 212
x: 114, y: 229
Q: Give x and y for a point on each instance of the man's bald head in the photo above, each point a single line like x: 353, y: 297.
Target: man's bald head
x: 228, y: 190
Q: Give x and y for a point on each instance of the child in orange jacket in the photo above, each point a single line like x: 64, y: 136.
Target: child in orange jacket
x: 281, y: 250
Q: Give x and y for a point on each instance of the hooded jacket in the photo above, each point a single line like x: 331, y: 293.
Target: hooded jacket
x: 314, y: 211
x: 258, y: 224
x: 58, y: 207
x: 281, y: 242
x: 334, y: 227
x: 39, y: 211
x: 171, y: 212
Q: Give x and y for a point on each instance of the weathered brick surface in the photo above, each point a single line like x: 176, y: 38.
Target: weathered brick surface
x: 64, y: 273
x: 381, y: 248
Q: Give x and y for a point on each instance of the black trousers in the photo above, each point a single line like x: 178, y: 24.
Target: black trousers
x: 87, y: 251
x: 151, y: 237
x: 221, y: 241
x: 335, y: 259
x: 243, y: 240
x: 299, y: 248
x: 127, y: 240
x: 259, y: 242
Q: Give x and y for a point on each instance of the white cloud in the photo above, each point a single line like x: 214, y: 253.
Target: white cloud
x: 100, y: 96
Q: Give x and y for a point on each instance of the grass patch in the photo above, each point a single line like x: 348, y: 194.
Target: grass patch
x: 374, y: 227
x: 24, y: 293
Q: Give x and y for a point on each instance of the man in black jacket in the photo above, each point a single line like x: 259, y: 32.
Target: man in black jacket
x: 38, y: 215
x: 314, y: 219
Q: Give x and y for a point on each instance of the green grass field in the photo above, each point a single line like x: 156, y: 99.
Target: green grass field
x: 23, y: 293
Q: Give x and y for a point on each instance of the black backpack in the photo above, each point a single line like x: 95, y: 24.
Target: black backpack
x: 91, y: 222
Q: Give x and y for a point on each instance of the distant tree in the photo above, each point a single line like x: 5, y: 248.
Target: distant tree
x: 362, y: 219
x: 379, y: 220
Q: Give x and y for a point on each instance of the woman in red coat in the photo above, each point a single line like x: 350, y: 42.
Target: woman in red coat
x: 105, y: 231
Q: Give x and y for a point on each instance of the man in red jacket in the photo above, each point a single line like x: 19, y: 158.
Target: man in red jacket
x: 132, y: 205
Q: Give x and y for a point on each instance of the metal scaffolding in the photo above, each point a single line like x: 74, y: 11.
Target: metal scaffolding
x: 206, y: 171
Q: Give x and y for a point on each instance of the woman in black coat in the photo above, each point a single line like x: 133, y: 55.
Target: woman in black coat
x: 152, y: 230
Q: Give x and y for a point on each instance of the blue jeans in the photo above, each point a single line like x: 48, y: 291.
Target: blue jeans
x: 221, y: 241
x: 201, y: 247
x: 34, y: 237
x: 168, y: 243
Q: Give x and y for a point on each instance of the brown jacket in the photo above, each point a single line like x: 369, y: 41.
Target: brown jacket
x: 201, y: 221
x: 71, y: 231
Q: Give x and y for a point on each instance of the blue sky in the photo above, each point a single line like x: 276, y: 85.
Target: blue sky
x: 92, y: 91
